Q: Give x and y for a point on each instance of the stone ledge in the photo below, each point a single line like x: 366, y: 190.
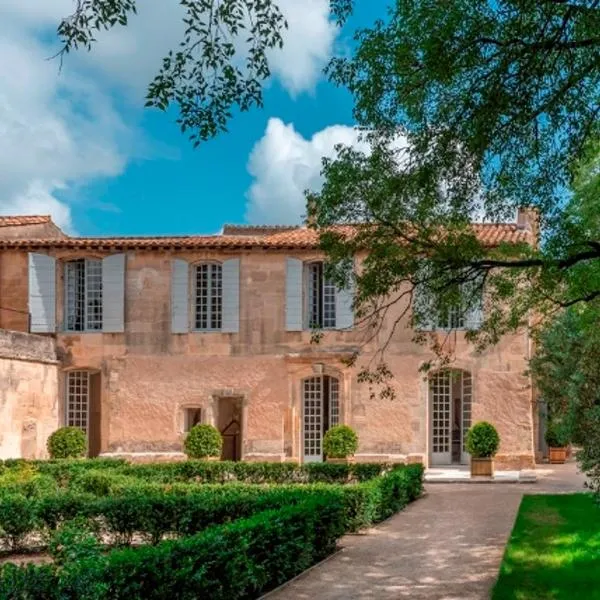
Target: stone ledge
x: 16, y: 345
x: 464, y: 476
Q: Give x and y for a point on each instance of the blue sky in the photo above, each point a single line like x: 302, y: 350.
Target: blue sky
x: 78, y: 144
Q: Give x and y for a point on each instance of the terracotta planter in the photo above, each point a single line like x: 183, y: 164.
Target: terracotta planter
x: 340, y: 461
x: 557, y: 456
x: 482, y: 467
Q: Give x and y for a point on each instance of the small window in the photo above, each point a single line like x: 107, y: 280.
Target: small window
x: 209, y: 297
x: 191, y: 417
x: 83, y: 295
x: 321, y: 298
x: 78, y: 400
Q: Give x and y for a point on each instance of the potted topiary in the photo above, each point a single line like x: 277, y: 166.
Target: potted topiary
x: 340, y: 443
x: 482, y: 444
x: 203, y: 441
x: 557, y: 439
x: 67, y: 442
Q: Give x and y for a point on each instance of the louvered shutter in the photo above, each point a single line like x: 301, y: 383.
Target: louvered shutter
x: 231, y: 296
x: 293, y: 294
x: 42, y: 293
x: 179, y: 296
x: 113, y: 293
x: 344, y: 310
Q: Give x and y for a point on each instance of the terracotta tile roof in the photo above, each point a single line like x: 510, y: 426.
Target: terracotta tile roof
x: 280, y: 238
x: 15, y: 221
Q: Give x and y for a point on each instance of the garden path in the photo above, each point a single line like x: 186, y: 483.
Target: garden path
x: 446, y: 546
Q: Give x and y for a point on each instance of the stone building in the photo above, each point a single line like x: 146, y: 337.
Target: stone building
x: 137, y: 339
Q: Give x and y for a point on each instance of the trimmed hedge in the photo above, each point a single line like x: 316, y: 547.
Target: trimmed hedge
x: 64, y: 471
x: 188, y: 509
x: 239, y: 560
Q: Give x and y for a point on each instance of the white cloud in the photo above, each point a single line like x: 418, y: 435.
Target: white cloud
x: 59, y: 131
x: 284, y: 164
x: 308, y: 44
x: 55, y: 129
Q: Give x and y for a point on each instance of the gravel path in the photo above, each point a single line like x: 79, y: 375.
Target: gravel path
x: 447, y: 545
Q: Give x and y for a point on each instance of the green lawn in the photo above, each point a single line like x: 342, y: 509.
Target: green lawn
x: 554, y: 550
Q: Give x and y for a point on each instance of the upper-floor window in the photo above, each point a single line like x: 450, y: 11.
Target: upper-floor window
x: 465, y: 314
x: 83, y: 295
x: 321, y: 298
x: 209, y: 296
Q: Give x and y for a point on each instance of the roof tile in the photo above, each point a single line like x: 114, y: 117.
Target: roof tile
x: 280, y: 238
x: 17, y: 220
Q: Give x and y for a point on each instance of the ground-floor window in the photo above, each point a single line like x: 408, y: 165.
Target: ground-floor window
x: 321, y: 410
x: 191, y: 417
x: 78, y: 399
x: 82, y: 406
x: 450, y: 396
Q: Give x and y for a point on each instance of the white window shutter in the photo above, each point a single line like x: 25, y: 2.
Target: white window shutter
x: 293, y: 294
x: 42, y: 293
x: 113, y: 293
x: 231, y: 296
x: 344, y: 309
x: 180, y: 322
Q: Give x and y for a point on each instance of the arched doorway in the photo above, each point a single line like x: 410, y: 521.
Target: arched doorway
x: 320, y: 411
x: 450, y: 401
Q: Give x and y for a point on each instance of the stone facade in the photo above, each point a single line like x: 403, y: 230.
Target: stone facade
x: 147, y: 378
x: 28, y: 394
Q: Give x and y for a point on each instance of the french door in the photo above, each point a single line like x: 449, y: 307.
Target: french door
x: 450, y: 397
x: 321, y: 410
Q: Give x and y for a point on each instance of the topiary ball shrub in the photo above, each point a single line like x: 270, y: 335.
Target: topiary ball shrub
x: 203, y: 441
x: 67, y: 442
x: 556, y: 435
x: 482, y: 440
x: 340, y: 441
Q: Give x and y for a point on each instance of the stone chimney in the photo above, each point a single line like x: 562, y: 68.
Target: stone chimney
x: 528, y: 217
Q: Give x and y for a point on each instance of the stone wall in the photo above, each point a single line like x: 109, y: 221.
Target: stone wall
x: 28, y: 394
x: 149, y: 375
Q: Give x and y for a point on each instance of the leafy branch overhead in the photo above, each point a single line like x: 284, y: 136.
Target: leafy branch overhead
x: 220, y: 65
x: 470, y: 108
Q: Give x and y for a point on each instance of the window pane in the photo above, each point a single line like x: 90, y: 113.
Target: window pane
x: 315, y: 294
x: 78, y: 395
x: 94, y: 295
x: 75, y: 295
x: 209, y: 296
x: 328, y: 304
x: 216, y: 288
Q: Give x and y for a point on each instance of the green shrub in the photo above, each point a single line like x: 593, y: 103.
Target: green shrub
x: 67, y: 442
x: 238, y: 560
x: 18, y: 519
x: 556, y: 435
x: 203, y: 441
x: 482, y: 440
x: 75, y: 540
x: 340, y: 441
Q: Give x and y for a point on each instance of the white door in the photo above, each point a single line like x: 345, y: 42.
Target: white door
x: 467, y: 394
x: 440, y: 390
x: 320, y: 411
x: 449, y: 390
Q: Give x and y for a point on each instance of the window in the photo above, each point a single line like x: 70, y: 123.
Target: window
x: 451, y: 318
x: 78, y: 400
x: 209, y: 296
x: 191, y: 417
x: 321, y: 411
x: 83, y: 297
x: 321, y: 298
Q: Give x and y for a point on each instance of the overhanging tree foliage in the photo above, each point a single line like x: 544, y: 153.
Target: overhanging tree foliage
x: 472, y: 107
